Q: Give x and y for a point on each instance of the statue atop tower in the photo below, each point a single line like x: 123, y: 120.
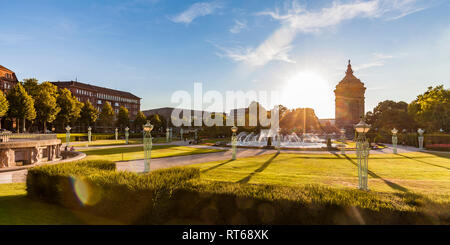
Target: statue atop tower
x: 349, y: 100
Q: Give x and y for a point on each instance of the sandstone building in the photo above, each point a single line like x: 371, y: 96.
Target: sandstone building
x: 8, y: 79
x: 100, y: 95
x: 349, y: 100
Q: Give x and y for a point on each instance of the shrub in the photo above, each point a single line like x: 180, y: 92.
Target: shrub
x: 179, y: 196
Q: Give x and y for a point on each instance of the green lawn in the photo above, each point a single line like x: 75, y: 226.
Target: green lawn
x: 17, y: 209
x: 412, y: 172
x: 116, y: 142
x: 136, y: 152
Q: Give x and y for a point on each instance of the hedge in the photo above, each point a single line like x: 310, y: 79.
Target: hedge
x: 179, y: 196
x: 410, y: 139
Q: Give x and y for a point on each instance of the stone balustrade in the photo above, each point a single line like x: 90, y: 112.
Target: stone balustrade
x: 4, y: 137
x: 29, y: 150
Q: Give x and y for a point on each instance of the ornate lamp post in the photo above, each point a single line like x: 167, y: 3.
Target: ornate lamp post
x: 278, y: 140
x: 181, y: 134
x: 116, y: 133
x: 195, y: 134
x: 147, y: 145
x: 68, y: 128
x: 343, y: 141
x: 394, y: 140
x: 362, y: 152
x: 89, y: 134
x: 167, y: 135
x: 420, y: 131
x: 233, y: 142
x: 126, y: 135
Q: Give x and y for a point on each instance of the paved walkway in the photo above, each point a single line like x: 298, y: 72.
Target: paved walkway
x: 166, y: 162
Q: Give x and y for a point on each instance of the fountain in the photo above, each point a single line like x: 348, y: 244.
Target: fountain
x: 292, y: 140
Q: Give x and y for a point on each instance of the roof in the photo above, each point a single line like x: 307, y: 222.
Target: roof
x: 350, y: 80
x: 5, y: 69
x: 95, y: 88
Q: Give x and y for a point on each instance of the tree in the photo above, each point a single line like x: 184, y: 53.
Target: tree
x: 123, y: 118
x: 156, y: 121
x: 107, y: 115
x: 389, y: 114
x: 21, y: 105
x: 431, y: 109
x: 4, y: 105
x: 88, y: 114
x: 45, y: 96
x: 31, y: 85
x: 70, y: 108
x: 139, y: 120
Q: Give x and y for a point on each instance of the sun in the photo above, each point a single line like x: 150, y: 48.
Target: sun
x: 308, y: 89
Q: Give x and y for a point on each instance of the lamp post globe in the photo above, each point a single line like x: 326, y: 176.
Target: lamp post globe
x: 68, y: 128
x: 420, y: 132
x: 362, y: 152
x: 394, y: 132
x: 127, y: 134
x: 147, y: 145
x: 233, y: 142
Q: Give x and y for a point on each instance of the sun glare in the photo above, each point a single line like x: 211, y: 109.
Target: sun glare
x: 308, y: 89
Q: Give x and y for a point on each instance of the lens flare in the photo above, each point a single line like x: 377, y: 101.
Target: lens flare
x: 84, y: 191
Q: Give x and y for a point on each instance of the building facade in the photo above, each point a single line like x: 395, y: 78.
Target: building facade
x: 100, y: 95
x: 8, y: 79
x: 349, y: 100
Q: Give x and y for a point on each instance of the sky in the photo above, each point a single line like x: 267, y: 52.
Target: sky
x: 300, y: 49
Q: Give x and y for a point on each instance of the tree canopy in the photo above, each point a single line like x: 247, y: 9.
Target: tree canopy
x: 389, y: 114
x: 123, y: 117
x: 88, y: 114
x: 431, y: 109
x: 107, y: 115
x: 139, y: 121
x: 4, y: 104
x: 21, y: 104
x: 70, y: 107
x: 45, y: 97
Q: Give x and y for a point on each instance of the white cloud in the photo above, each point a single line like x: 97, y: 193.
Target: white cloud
x: 196, y: 10
x: 298, y: 20
x: 238, y: 26
x: 378, y: 59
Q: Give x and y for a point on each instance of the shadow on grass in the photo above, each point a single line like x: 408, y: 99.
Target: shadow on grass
x: 374, y: 175
x: 216, y: 166
x: 118, y: 150
x: 259, y: 170
x: 414, y: 158
x: 21, y: 210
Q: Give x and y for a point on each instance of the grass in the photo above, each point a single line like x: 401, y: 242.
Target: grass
x: 410, y: 172
x: 136, y: 152
x: 178, y: 196
x: 17, y: 209
x: 115, y: 142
